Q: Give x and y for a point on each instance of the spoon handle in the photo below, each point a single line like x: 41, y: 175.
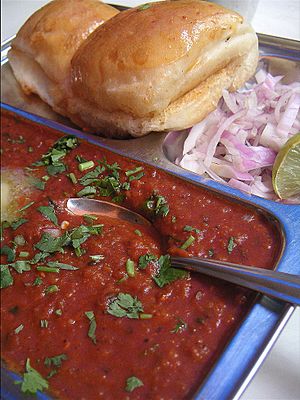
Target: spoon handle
x: 272, y: 283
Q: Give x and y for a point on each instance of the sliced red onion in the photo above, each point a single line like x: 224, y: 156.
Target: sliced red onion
x: 238, y: 142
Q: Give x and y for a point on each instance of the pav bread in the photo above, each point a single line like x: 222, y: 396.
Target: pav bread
x: 42, y: 51
x: 156, y: 67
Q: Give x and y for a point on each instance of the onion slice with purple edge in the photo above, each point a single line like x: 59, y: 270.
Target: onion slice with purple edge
x: 238, y: 142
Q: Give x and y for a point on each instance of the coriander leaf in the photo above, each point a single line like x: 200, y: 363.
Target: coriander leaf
x: 49, y: 213
x: 16, y: 224
x: 93, y: 325
x: 91, y: 177
x: 145, y: 260
x: 19, y: 240
x: 39, y: 184
x: 21, y: 266
x: 52, y: 159
x: 32, y: 380
x: 136, y: 177
x: 124, y: 305
x: 132, y: 383
x: 55, y: 169
x: 167, y: 274
x: 50, y: 244
x: 51, y: 289
x: 180, y: 326
x: 37, y: 282
x: 38, y: 257
x: 87, y: 191
x: 56, y: 264
x: 10, y: 253
x: 188, y: 228
x: 231, y: 245
x: 157, y: 205
x: 6, y: 277
x: 55, y: 361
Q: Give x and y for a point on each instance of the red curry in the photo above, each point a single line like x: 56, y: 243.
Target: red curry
x: 91, y: 306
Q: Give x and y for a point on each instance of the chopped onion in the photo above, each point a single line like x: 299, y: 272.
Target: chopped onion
x: 238, y: 142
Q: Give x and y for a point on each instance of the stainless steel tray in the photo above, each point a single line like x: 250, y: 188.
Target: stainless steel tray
x: 266, y: 319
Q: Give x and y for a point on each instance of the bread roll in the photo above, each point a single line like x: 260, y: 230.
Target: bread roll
x: 160, y: 66
x: 157, y: 67
x: 43, y: 48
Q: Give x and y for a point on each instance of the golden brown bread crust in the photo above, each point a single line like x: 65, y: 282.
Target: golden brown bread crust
x: 52, y: 35
x: 143, y: 59
x: 180, y: 114
x: 160, y: 68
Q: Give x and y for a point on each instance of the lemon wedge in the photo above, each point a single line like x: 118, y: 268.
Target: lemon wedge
x: 286, y: 169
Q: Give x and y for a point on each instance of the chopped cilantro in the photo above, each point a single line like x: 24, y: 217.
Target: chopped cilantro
x: 136, y: 177
x: 19, y: 240
x: 52, y: 159
x: 18, y: 329
x: 38, y: 281
x: 97, y: 257
x: 145, y: 316
x: 21, y: 266
x: 91, y: 177
x: 231, y: 244
x: 132, y: 383
x: 49, y: 213
x: 58, y: 312
x: 86, y: 165
x: 55, y: 361
x: 211, y: 252
x: 38, y: 257
x: 138, y: 232
x: 87, y: 191
x: 130, y: 268
x: 10, y: 253
x: 135, y: 174
x: 188, y: 242
x: 124, y: 305
x: 47, y: 269
x: 93, y: 325
x: 32, y: 380
x: 51, y: 289
x: 16, y: 224
x: 188, y: 228
x: 73, y: 178
x: 167, y: 274
x: 145, y: 260
x: 50, y: 244
x: 56, y: 264
x: 90, y: 217
x: 180, y: 326
x: 26, y: 206
x: 133, y: 171
x: 44, y: 323
x: 6, y: 277
x: 157, y: 205
x: 39, y: 184
x: 23, y: 254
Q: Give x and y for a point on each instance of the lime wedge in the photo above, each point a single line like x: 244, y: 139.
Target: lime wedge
x: 286, y: 169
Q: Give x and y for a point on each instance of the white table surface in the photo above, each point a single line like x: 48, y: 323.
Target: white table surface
x: 279, y: 376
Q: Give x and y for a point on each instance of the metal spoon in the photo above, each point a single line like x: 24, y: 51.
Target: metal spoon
x: 280, y: 285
